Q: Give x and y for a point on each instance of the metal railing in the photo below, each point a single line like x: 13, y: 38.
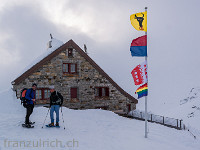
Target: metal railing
x: 166, y: 121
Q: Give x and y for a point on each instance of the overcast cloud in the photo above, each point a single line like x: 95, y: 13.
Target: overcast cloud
x: 104, y: 26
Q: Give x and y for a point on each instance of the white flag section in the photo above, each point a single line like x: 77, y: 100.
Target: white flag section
x: 143, y: 67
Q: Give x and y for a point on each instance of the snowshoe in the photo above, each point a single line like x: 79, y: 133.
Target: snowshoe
x: 27, y: 126
x: 50, y: 125
x: 31, y: 123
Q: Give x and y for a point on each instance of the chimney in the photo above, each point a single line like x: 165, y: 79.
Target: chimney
x: 49, y: 43
x: 85, y: 49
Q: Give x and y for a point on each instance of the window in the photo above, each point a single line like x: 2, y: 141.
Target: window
x: 65, y: 67
x: 102, y: 92
x: 73, y: 68
x: 42, y: 94
x: 97, y: 92
x: 38, y: 94
x: 74, y: 93
x: 47, y: 93
x: 70, y: 52
x: 69, y: 68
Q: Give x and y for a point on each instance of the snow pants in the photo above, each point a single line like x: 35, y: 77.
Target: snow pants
x: 29, y: 110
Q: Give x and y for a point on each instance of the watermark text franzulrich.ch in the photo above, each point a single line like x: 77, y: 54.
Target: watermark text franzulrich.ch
x: 40, y: 143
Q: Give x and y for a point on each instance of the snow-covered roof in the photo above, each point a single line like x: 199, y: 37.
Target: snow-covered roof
x: 55, y: 44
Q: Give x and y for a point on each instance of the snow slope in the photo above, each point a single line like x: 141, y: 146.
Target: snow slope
x: 188, y: 110
x: 85, y: 130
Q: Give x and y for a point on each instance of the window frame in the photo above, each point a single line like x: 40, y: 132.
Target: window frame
x: 69, y: 68
x: 64, y: 68
x: 43, y: 94
x: 100, y: 92
x: 48, y: 93
x: 36, y: 94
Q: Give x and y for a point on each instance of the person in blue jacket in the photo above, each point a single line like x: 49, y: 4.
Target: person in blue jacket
x: 30, y: 98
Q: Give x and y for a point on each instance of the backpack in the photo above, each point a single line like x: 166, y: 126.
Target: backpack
x: 22, y: 97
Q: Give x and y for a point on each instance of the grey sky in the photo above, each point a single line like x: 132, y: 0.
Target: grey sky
x: 104, y: 26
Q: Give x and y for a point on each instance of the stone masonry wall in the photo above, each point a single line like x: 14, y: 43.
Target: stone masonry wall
x: 86, y: 79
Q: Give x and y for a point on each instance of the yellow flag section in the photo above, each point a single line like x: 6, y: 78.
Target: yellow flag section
x: 139, y: 21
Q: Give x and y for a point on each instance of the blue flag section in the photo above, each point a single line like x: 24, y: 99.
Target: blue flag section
x: 139, y: 47
x: 139, y: 51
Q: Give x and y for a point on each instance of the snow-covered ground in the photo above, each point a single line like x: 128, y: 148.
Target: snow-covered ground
x: 85, y: 130
x: 189, y: 111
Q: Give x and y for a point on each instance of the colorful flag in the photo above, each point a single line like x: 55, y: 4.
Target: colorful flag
x: 139, y: 73
x: 139, y: 46
x: 142, y: 91
x: 139, y: 21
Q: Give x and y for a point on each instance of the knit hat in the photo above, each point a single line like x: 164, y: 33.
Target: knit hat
x: 34, y: 84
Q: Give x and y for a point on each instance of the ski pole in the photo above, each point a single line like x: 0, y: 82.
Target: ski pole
x: 192, y: 134
x: 62, y: 118
x: 45, y: 118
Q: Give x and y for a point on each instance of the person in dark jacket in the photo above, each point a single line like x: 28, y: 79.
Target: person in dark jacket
x: 56, y: 101
x: 30, y: 98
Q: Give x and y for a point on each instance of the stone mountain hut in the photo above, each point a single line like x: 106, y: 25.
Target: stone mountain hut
x: 83, y: 84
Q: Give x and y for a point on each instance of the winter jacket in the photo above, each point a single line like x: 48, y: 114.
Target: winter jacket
x: 30, y: 94
x: 56, y: 98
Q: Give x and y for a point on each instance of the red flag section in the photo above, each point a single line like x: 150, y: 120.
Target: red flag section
x: 136, y: 73
x: 139, y: 73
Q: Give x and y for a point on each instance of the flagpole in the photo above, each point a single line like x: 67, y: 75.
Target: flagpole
x: 146, y: 97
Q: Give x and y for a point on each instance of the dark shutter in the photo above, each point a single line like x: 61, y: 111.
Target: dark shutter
x: 76, y: 68
x: 100, y: 92
x: 129, y: 107
x: 73, y: 92
x: 107, y: 91
x: 68, y: 68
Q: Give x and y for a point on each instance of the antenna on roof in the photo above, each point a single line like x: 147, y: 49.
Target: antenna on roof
x: 51, y: 36
x: 85, y: 49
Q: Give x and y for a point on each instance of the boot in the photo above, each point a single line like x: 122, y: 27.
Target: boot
x: 57, y: 124
x: 51, y: 125
x: 31, y: 123
x: 28, y: 126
